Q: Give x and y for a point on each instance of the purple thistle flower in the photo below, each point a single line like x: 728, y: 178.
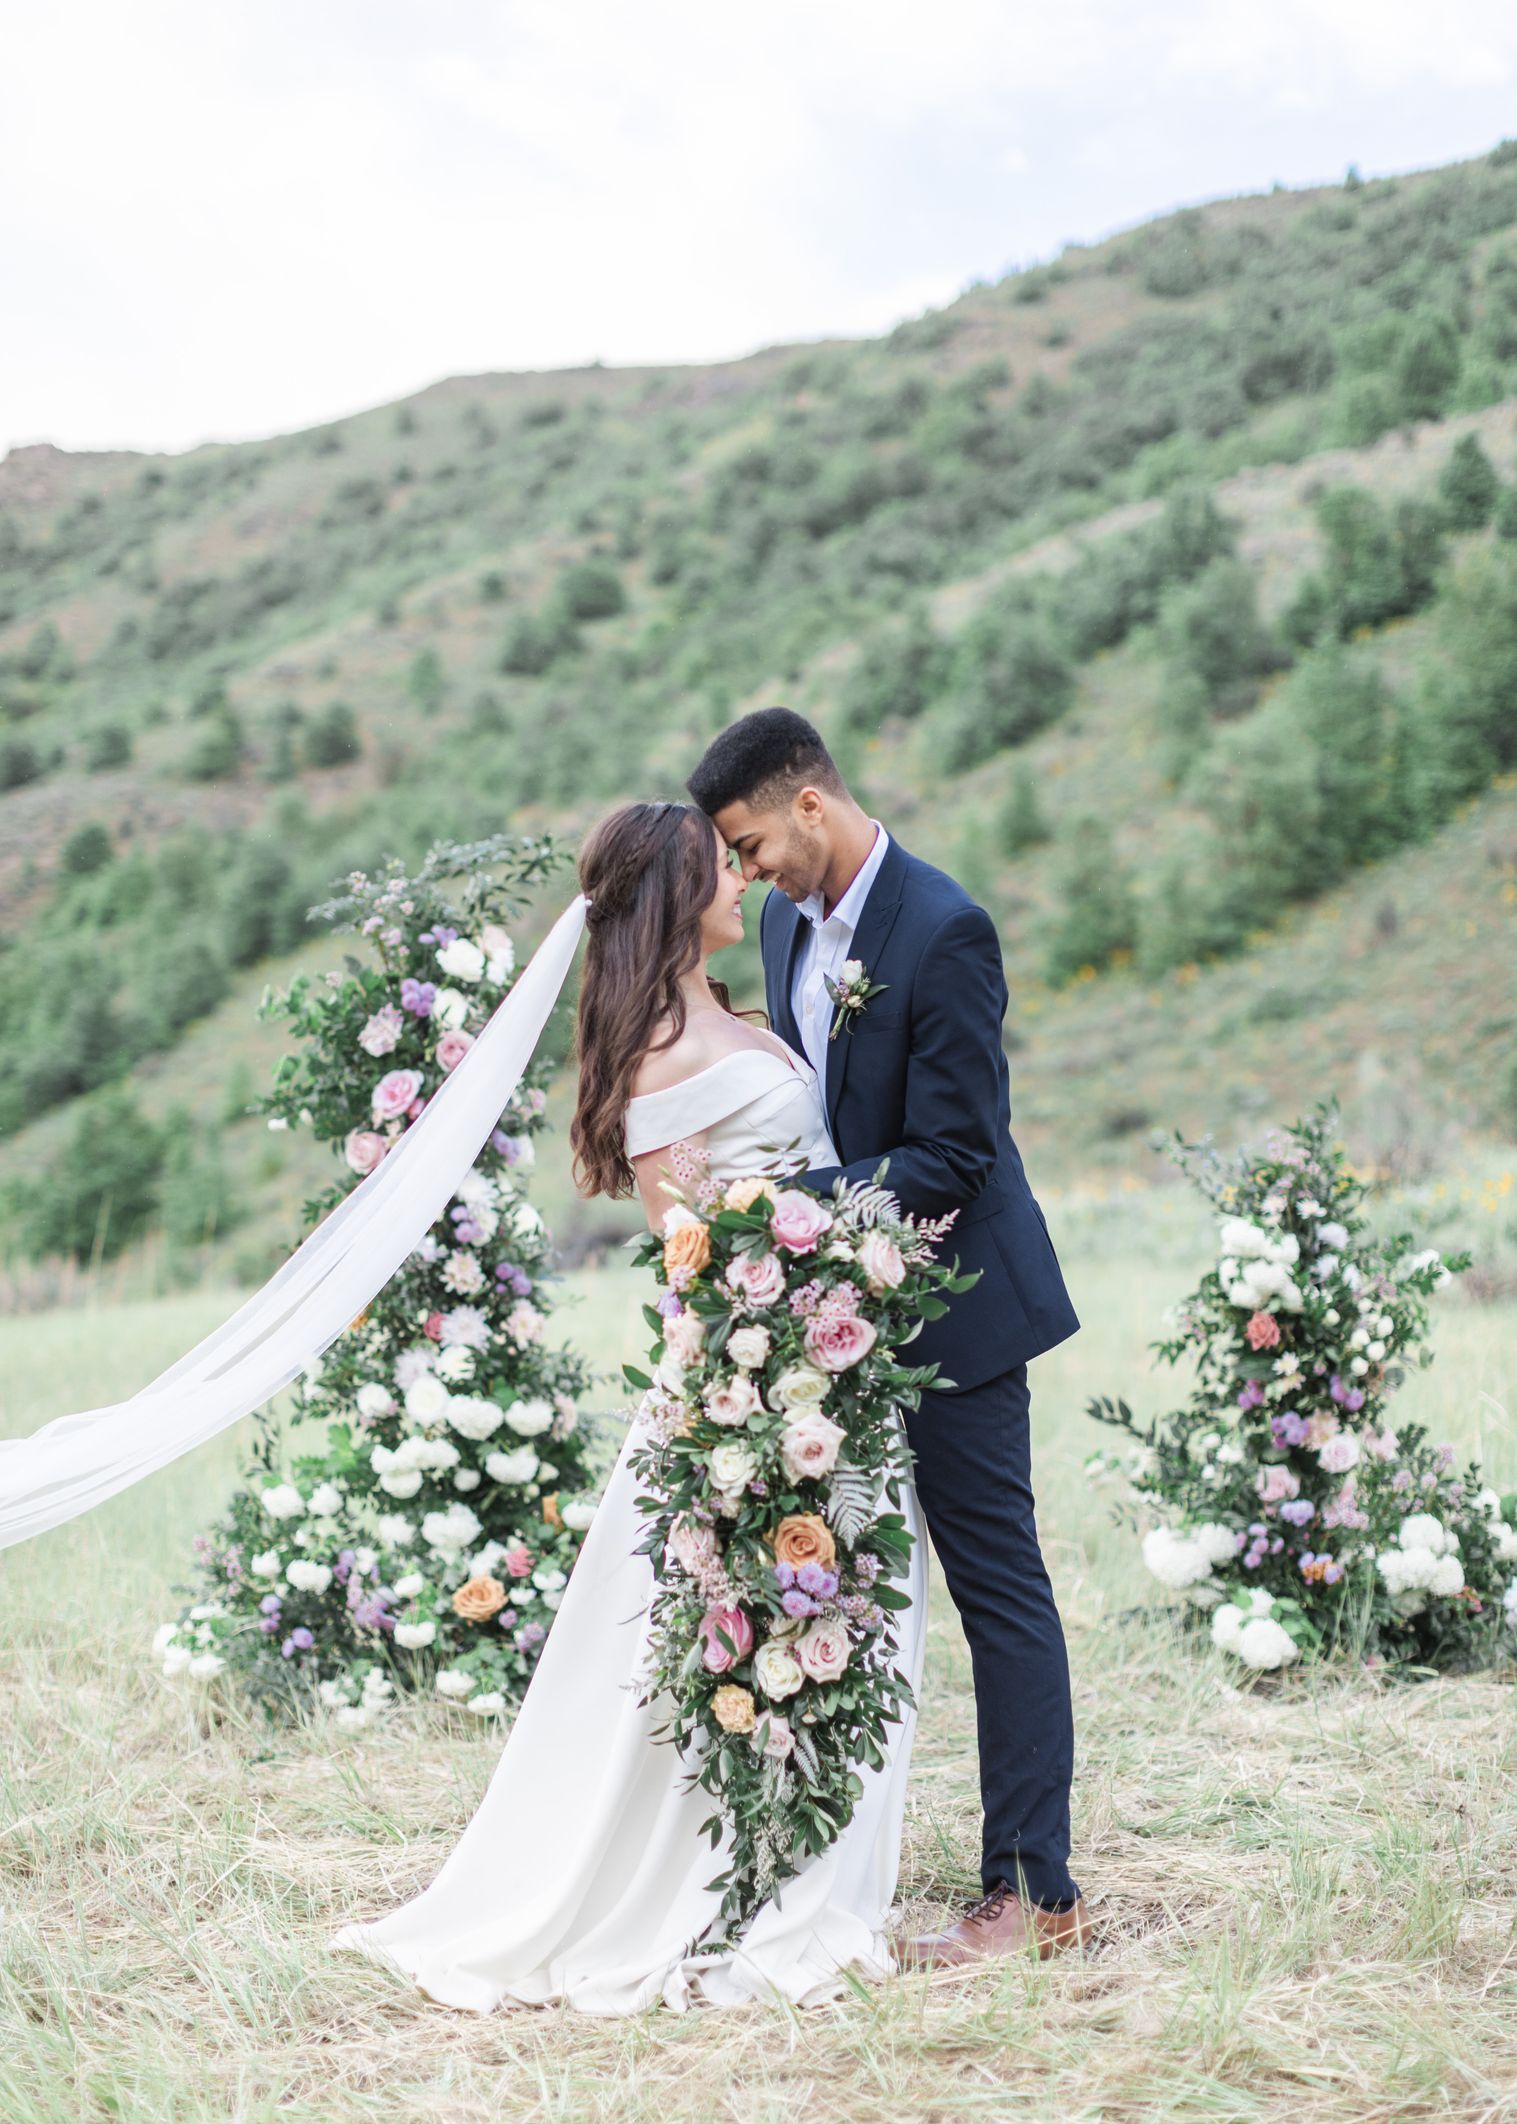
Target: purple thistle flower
x: 302, y: 1639
x: 1296, y: 1511
x: 418, y: 997
x: 443, y: 934
x: 529, y: 1635
x: 784, y: 1575
x: 795, y: 1602
x: 271, y: 1604
x: 270, y: 1627
x: 671, y: 1305
x: 1251, y: 1395
x: 507, y: 1618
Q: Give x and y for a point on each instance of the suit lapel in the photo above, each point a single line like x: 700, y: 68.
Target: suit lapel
x: 780, y: 969
x: 869, y: 941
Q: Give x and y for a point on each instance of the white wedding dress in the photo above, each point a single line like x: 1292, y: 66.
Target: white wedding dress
x: 582, y: 1877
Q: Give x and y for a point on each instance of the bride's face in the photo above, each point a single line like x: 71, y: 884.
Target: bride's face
x: 722, y: 920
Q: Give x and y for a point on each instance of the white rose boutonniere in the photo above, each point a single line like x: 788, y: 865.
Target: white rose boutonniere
x: 850, y: 992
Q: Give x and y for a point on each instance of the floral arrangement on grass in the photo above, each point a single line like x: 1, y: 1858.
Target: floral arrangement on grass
x: 422, y: 1540
x: 1285, y: 1500
x: 771, y: 1470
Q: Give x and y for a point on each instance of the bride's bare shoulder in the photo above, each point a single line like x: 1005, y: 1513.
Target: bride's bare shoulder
x: 705, y: 1039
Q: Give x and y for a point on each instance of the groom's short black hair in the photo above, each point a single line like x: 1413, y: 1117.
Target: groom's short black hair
x: 762, y: 761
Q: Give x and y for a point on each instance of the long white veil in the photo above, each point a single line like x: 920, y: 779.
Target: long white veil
x: 78, y: 1461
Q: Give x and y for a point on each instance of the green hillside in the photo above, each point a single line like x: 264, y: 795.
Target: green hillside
x: 1167, y: 593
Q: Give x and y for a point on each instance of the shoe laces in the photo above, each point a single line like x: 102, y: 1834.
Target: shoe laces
x: 992, y: 1903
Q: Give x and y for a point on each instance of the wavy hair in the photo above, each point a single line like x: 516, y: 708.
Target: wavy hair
x: 650, y: 873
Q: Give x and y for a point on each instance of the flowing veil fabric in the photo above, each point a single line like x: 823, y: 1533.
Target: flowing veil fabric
x: 78, y: 1461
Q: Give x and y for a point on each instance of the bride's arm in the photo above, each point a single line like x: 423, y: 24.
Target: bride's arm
x: 654, y: 1167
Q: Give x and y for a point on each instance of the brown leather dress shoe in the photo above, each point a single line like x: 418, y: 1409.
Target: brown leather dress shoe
x: 998, y: 1924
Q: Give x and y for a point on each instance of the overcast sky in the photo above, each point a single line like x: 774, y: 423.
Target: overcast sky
x: 225, y: 218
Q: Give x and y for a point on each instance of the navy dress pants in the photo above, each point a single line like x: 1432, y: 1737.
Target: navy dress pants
x: 974, y: 1480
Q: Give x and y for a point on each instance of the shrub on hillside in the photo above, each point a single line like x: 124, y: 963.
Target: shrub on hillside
x: 1097, y: 915
x: 20, y: 763
x: 591, y: 590
x: 1375, y: 566
x: 331, y: 736
x: 216, y: 755
x: 108, y: 745
x: 197, y: 1202
x: 1011, y: 677
x: 1468, y: 486
x: 1120, y: 584
x: 1426, y: 366
x: 1506, y: 513
x: 88, y: 848
x: 100, y: 1191
x: 1021, y: 824
x: 900, y: 671
x: 1214, y: 636
x: 535, y: 641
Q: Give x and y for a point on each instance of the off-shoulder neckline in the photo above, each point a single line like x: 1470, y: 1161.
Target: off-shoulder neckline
x: 793, y: 1067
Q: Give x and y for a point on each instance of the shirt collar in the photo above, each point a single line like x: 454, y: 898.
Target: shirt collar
x: 851, y: 906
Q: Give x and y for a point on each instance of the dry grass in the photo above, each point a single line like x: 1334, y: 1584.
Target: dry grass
x: 1307, y: 1893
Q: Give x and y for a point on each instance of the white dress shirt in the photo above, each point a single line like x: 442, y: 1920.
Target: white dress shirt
x: 824, y: 951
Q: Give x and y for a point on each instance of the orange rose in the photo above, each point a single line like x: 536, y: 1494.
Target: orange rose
x: 358, y: 1319
x: 804, y: 1538
x: 479, y: 1599
x: 733, y: 1708
x: 687, y: 1247
x: 550, y: 1510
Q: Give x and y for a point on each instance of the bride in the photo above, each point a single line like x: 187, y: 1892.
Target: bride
x: 583, y: 1878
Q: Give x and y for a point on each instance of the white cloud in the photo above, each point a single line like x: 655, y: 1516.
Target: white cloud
x: 246, y: 217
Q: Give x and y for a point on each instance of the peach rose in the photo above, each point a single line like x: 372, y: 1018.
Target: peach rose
x: 363, y: 1149
x: 880, y: 1259
x: 479, y: 1599
x: 735, y: 1626
x: 550, y: 1510
x: 687, y: 1247
x: 761, y: 1282
x: 742, y: 1194
x: 836, y: 1345
x: 733, y: 1709
x: 798, y: 1221
x: 803, y: 1538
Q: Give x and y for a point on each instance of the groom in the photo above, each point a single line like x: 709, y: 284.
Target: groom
x: 918, y: 1074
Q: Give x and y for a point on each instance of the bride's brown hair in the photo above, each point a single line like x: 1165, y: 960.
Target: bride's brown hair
x: 650, y: 872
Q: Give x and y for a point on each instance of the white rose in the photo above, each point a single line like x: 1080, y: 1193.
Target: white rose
x: 454, y: 1681
x: 326, y: 1499
x: 1243, y: 1239
x: 525, y: 1221
x: 776, y: 1669
x: 374, y: 1400
x: 467, y: 1479
x: 530, y: 1418
x: 307, y: 1576
x: 578, y: 1513
x: 427, y: 1399
x: 1265, y: 1643
x: 800, y: 1386
x: 499, y: 951
x: 548, y: 1578
x: 676, y: 1215
x: 519, y: 1466
x: 461, y: 960
x: 284, y: 1501
x: 748, y: 1347
x: 456, y: 1363
x: 473, y: 1416
x: 450, y: 1009
x: 415, y: 1637
x: 732, y: 1465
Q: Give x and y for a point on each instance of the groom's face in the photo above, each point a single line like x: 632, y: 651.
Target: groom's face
x: 785, y: 847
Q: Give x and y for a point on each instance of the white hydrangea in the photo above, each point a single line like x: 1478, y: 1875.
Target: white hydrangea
x: 326, y: 1499
x: 1264, y: 1643
x: 454, y: 1681
x: 450, y: 1531
x: 427, y: 1399
x: 489, y: 1704
x: 518, y: 1466
x: 473, y: 1416
x: 1176, y: 1558
x: 204, y: 1665
x: 308, y: 1576
x: 266, y: 1564
x: 409, y: 1585
x: 1421, y: 1530
x: 415, y: 1637
x: 395, y: 1530
x: 579, y: 1511
x: 530, y: 1418
x: 1250, y: 1604
x: 456, y: 1364
x: 284, y: 1501
x: 467, y: 1478
x: 374, y: 1400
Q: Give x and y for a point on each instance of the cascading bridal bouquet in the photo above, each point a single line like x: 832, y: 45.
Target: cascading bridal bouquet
x: 771, y: 1470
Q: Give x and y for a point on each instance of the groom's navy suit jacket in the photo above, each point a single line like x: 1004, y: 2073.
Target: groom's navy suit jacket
x: 919, y: 1077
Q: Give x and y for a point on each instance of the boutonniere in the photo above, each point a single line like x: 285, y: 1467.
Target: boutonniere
x: 850, y: 992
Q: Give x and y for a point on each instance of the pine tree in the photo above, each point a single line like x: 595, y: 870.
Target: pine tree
x: 419, y: 1530
x: 1468, y: 486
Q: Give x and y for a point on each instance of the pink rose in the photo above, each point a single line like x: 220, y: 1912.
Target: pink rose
x: 735, y: 1626
x: 809, y: 1446
x: 777, y: 1734
x: 452, y: 1048
x: 798, y: 1221
x: 394, y: 1093
x: 733, y: 1401
x: 1276, y: 1482
x: 382, y: 1032
x: 684, y: 1335
x: 517, y: 1560
x: 431, y: 1327
x: 823, y: 1650
x: 880, y: 1259
x: 363, y: 1149
x: 761, y: 1281
x: 1340, y: 1453
x: 835, y: 1345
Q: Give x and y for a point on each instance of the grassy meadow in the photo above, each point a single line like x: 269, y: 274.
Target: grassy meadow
x: 1307, y: 1889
